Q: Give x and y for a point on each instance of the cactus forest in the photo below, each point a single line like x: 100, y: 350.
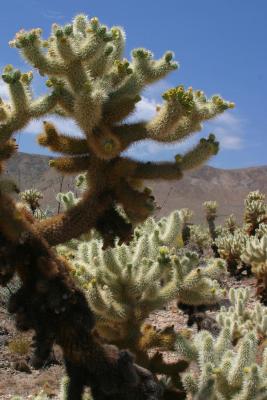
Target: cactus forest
x: 90, y: 279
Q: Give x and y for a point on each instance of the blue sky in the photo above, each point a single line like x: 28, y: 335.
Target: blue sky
x: 221, y: 47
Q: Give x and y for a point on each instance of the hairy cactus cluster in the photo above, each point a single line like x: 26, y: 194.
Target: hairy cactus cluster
x: 32, y: 198
x: 255, y: 211
x: 230, y: 248
x: 124, y: 284
x: 200, y: 238
x: 241, y: 318
x: 221, y: 371
x: 230, y: 224
x: 255, y: 254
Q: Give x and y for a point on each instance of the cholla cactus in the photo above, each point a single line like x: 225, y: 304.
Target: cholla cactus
x: 67, y: 200
x: 200, y: 238
x: 231, y: 224
x: 255, y: 253
x: 255, y: 211
x: 186, y: 217
x: 230, y: 248
x: 70, y: 199
x: 81, y: 182
x: 211, y: 214
x: 91, y: 82
x: 126, y: 283
x: 211, y: 209
x: 165, y: 231
x: 221, y: 371
x: 41, y: 213
x: 242, y: 319
x: 32, y: 198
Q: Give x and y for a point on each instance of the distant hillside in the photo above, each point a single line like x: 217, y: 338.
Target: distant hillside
x: 227, y: 187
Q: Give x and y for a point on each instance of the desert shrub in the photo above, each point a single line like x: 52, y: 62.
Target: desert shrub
x: 19, y: 345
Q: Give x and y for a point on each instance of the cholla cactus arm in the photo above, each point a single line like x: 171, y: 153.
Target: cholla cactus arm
x: 22, y: 109
x: 62, y: 143
x: 71, y: 165
x: 160, y: 170
x: 143, y: 71
x: 68, y: 200
x: 198, y: 155
x: 8, y: 149
x: 180, y: 115
x: 71, y: 224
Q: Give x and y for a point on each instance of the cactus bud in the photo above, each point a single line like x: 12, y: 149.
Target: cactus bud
x: 169, y: 56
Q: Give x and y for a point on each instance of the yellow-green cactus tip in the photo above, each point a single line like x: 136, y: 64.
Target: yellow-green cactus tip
x: 51, y: 163
x: 216, y: 371
x: 109, y: 146
x: 178, y: 158
x: 8, y: 68
x: 49, y: 83
x: 163, y: 250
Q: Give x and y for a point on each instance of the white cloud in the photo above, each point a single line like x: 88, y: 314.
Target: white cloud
x: 156, y: 90
x: 4, y: 94
x: 64, y: 125
x: 145, y: 110
x: 163, y: 151
x: 228, y: 128
x: 231, y: 142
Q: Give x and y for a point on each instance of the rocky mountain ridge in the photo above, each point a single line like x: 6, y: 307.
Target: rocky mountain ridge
x: 227, y: 187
